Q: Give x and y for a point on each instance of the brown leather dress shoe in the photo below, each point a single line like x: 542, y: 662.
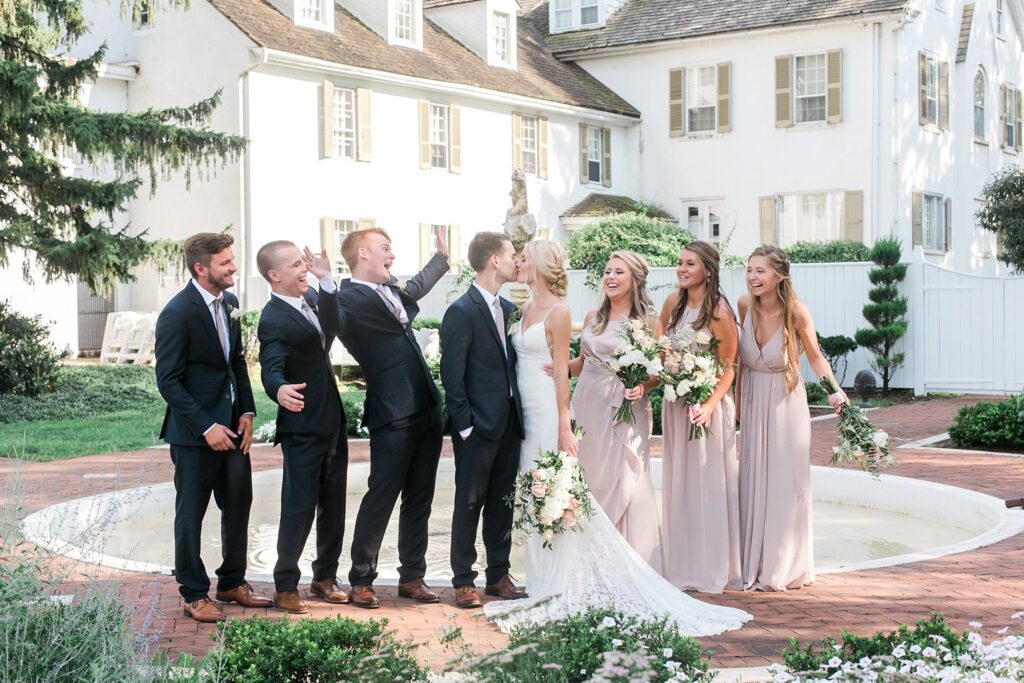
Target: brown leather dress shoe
x: 204, y: 611
x: 328, y: 590
x: 363, y: 596
x: 505, y: 589
x: 466, y: 597
x: 289, y: 601
x: 417, y: 590
x: 244, y: 596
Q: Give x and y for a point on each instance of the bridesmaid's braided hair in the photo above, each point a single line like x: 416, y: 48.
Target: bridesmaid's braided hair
x: 713, y: 294
x: 641, y: 304
x: 549, y: 260
x: 779, y: 261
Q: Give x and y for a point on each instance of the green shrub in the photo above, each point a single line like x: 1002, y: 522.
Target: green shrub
x: 250, y: 341
x: 1002, y: 212
x: 990, y: 424
x: 816, y: 396
x: 29, y: 364
x: 887, y: 310
x: 854, y: 647
x: 659, y: 242
x: 835, y: 350
x: 260, y: 650
x: 571, y: 650
x: 832, y: 251
x: 657, y: 398
x: 426, y: 324
x: 86, y: 391
x: 354, y: 404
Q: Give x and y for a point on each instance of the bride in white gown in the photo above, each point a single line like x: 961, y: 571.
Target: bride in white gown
x: 595, y: 566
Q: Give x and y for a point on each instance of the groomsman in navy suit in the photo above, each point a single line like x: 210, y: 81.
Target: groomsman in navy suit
x: 201, y: 373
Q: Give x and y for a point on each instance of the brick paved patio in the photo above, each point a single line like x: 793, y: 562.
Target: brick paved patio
x: 985, y: 585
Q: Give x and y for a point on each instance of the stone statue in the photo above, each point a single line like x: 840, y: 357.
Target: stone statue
x: 520, y: 225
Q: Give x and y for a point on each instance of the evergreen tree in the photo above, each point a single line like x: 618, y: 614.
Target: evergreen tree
x: 65, y: 223
x: 886, y: 311
x: 1003, y: 214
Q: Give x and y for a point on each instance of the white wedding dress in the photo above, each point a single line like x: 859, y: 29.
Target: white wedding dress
x: 595, y: 566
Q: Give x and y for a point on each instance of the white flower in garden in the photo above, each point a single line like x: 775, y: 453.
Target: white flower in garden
x: 834, y: 663
x: 864, y: 662
x: 616, y: 642
x: 928, y: 652
x: 899, y: 652
x: 607, y: 622
x: 915, y: 648
x: 666, y: 653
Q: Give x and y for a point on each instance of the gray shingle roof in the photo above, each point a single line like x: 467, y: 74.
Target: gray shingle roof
x: 539, y: 74
x: 651, y: 21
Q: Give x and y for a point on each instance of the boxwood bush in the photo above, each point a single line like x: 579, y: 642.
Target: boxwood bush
x: 990, y: 424
x: 832, y: 251
x: 29, y: 364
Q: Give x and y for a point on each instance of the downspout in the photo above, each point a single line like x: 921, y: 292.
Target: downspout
x: 244, y: 235
x: 876, y: 128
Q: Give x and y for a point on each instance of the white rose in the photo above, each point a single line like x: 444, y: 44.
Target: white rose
x: 688, y: 363
x: 702, y: 337
x: 670, y: 393
x: 683, y: 388
x: 548, y: 534
x: 880, y: 438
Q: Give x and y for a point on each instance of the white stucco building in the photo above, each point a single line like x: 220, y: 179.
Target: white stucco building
x: 772, y: 120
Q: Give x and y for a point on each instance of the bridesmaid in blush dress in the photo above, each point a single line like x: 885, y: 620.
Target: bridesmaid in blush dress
x: 700, y: 500
x: 775, y: 426
x: 615, y: 456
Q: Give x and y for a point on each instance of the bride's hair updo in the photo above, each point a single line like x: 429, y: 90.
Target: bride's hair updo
x: 549, y: 260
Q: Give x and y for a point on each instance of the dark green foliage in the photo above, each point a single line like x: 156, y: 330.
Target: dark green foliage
x: 887, y: 310
x: 426, y: 324
x: 833, y: 251
x: 29, y: 365
x: 854, y: 647
x: 1003, y: 214
x: 353, y: 405
x: 816, y: 396
x: 250, y: 321
x: 659, y: 242
x: 260, y: 650
x: 65, y: 221
x: 835, y: 349
x: 991, y: 424
x: 657, y: 395
x: 569, y: 650
x: 86, y: 391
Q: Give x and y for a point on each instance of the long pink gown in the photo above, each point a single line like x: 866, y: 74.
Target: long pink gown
x: 775, y: 472
x: 700, y: 499
x: 615, y: 456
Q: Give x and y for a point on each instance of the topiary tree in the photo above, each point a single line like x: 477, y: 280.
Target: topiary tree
x: 886, y: 311
x: 29, y: 365
x: 1003, y: 214
x: 657, y: 240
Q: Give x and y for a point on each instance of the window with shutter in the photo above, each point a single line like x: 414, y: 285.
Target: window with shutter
x: 933, y: 222
x: 767, y: 215
x: 333, y: 232
x: 542, y: 147
x: 783, y: 92
x: 979, y: 106
x: 812, y: 217
x: 438, y: 136
x: 834, y: 106
x: 675, y: 102
x: 594, y: 154
x: 724, y: 97
x: 810, y: 93
x: 929, y: 82
x: 364, y: 145
x: 344, y: 124
x: 528, y: 144
x: 701, y: 99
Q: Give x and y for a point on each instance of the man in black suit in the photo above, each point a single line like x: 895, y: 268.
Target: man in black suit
x: 201, y: 373
x: 478, y: 370
x: 403, y: 407
x: 296, y: 371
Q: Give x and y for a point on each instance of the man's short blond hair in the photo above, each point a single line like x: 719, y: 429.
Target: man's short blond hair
x: 354, y: 240
x: 268, y: 258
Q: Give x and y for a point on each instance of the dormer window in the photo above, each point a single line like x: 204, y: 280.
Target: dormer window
x: 588, y: 12
x: 563, y: 15
x: 318, y: 14
x: 403, y: 20
x: 568, y: 15
x: 311, y: 11
x: 501, y: 35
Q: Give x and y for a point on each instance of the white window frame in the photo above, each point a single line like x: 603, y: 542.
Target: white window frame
x: 1009, y: 103
x: 528, y: 144
x: 595, y: 153
x: 979, y: 105
x: 342, y: 228
x: 704, y: 228
x: 562, y: 11
x: 931, y: 84
x: 439, y: 136
x: 817, y: 216
x: 343, y: 125
x: 823, y: 95
x: 594, y: 5
x: 692, y: 81
x: 933, y: 226
x: 402, y: 31
x: 999, y: 18
x: 502, y: 36
x: 567, y: 15
x: 311, y: 12
x: 145, y: 19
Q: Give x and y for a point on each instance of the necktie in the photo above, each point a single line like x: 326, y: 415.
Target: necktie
x: 218, y: 321
x: 308, y: 312
x: 391, y: 304
x: 499, y: 319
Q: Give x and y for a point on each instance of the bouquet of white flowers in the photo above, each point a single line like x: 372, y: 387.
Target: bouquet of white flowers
x: 691, y: 371
x: 859, y: 440
x: 636, y: 359
x: 551, y: 498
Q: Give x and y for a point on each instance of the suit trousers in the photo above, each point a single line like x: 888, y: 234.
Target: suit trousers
x: 313, y: 486
x: 198, y: 472
x: 485, y: 472
x: 403, y: 460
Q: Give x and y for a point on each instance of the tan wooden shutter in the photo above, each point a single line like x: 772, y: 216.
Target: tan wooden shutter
x: 327, y: 242
x: 853, y: 216
x: 426, y: 246
x: 1016, y: 124
x: 517, y: 141
x: 366, y: 223
x: 584, y: 175
x: 364, y: 141
x: 454, y: 139
x: 724, y: 97
x: 542, y: 148
x: 606, y: 157
x: 783, y: 91
x: 917, y: 225
x: 326, y: 120
x: 948, y: 224
x: 766, y: 209
x: 922, y: 87
x: 944, y: 95
x: 834, y: 94
x: 454, y: 244
x: 1004, y: 109
x: 424, y: 134
x: 675, y: 102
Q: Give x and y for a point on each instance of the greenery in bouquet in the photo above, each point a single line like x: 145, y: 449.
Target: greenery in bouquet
x: 860, y: 441
x: 551, y: 498
x: 636, y: 359
x: 690, y: 371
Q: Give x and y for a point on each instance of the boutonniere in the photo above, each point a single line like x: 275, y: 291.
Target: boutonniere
x: 515, y: 316
x: 234, y: 313
x: 400, y: 286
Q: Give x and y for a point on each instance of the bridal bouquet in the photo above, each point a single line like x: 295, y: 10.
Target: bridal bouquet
x: 637, y: 358
x: 691, y: 371
x: 552, y: 498
x: 859, y: 440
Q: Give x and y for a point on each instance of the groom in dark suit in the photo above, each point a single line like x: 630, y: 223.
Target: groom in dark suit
x: 201, y: 373
x: 296, y: 370
x: 478, y: 369
x: 403, y: 407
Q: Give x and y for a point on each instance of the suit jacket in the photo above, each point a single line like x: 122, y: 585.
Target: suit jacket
x: 475, y: 372
x: 398, y: 381
x: 290, y: 353
x: 191, y: 372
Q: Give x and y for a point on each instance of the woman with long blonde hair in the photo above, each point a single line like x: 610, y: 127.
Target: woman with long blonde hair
x: 775, y: 426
